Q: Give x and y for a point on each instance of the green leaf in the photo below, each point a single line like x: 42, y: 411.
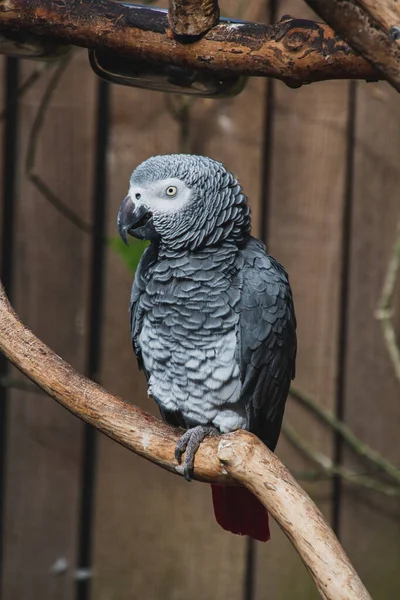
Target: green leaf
x: 131, y: 254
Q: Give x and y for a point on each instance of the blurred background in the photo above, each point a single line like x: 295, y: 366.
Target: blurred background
x: 82, y: 518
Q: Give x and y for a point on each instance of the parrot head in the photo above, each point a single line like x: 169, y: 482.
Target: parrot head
x: 185, y: 202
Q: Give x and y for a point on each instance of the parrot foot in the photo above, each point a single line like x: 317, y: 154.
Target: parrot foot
x: 189, y: 443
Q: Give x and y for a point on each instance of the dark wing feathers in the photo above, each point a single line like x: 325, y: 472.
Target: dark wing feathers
x: 135, y: 310
x: 266, y: 341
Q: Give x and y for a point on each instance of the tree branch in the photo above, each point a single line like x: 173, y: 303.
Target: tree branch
x: 296, y: 51
x: 371, y: 27
x: 192, y: 17
x: 239, y: 456
x: 261, y: 472
x: 136, y: 430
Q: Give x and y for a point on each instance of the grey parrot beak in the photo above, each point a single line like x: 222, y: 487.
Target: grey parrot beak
x: 134, y: 220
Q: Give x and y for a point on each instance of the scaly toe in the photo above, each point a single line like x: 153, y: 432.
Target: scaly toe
x: 187, y: 472
x: 178, y: 454
x: 181, y: 445
x: 189, y: 443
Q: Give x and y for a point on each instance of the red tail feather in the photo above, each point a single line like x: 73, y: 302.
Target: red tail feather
x: 238, y: 511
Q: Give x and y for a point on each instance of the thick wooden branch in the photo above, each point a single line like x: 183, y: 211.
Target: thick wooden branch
x: 371, y: 27
x: 263, y: 474
x: 236, y: 457
x: 296, y: 51
x: 123, y: 422
x: 385, y: 13
x: 192, y: 17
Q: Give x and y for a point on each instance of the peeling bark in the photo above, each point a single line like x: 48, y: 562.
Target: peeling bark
x: 372, y: 28
x: 296, y: 51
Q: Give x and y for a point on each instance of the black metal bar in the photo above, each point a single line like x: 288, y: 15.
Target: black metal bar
x: 344, y: 303
x: 94, y: 338
x: 249, y: 577
x: 267, y: 158
x: 268, y: 141
x: 9, y: 192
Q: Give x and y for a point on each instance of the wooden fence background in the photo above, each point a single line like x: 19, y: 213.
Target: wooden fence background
x: 81, y: 517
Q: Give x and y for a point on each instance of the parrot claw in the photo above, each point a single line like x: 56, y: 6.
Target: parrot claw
x: 189, y: 443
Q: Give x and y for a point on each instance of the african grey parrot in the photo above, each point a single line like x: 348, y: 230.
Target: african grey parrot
x: 212, y: 318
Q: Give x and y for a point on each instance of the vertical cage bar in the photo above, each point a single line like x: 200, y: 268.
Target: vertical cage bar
x: 9, y: 193
x: 96, y: 302
x: 344, y: 302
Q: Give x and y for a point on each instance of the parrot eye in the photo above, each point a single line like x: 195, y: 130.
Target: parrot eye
x: 171, y: 191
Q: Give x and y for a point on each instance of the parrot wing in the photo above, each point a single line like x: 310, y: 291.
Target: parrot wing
x: 266, y: 341
x: 136, y: 311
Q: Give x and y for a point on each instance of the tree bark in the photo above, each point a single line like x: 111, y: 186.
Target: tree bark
x: 296, y: 51
x: 192, y: 17
x: 386, y: 13
x: 370, y: 27
x: 236, y: 457
x: 263, y: 474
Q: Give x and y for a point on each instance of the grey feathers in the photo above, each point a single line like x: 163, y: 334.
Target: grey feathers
x: 267, y: 341
x: 212, y: 316
x: 217, y: 209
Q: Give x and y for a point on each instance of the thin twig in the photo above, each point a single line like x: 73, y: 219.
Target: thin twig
x: 30, y: 167
x: 384, y: 312
x: 311, y: 475
x: 328, y: 466
x: 27, y: 84
x: 355, y: 443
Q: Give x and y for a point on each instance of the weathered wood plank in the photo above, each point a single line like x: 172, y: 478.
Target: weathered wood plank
x: 370, y: 523
x: 44, y: 441
x: 304, y: 232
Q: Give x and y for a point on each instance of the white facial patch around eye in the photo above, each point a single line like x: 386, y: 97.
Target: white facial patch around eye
x: 164, y: 196
x: 168, y: 195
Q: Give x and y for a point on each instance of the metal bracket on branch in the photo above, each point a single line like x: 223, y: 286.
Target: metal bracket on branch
x: 296, y: 51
